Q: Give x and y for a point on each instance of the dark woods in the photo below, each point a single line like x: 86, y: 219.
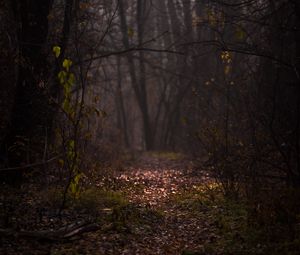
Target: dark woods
x: 83, y: 82
x: 29, y: 92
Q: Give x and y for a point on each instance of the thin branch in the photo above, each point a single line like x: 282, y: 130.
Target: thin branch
x: 29, y: 165
x: 223, y: 46
x: 116, y: 53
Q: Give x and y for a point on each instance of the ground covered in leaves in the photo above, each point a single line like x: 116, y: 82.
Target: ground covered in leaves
x: 159, y: 204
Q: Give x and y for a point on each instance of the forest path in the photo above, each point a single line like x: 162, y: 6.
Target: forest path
x: 157, y: 181
x: 159, y: 176
x: 154, y: 206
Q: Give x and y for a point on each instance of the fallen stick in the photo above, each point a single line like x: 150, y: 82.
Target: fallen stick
x: 61, y: 234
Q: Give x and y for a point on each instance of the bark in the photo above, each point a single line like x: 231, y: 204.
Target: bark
x: 138, y: 84
x: 148, y: 135
x: 122, y: 113
x: 183, y: 83
x: 8, y: 70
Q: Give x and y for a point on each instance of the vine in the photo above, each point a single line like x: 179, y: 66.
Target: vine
x: 71, y: 160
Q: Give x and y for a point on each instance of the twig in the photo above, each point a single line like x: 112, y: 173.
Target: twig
x: 61, y: 234
x: 30, y: 165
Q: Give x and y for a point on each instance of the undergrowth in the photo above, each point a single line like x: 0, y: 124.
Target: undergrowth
x: 109, y: 207
x: 236, y: 229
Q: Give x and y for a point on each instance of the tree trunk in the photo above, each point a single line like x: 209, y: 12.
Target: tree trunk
x: 138, y: 85
x: 8, y: 72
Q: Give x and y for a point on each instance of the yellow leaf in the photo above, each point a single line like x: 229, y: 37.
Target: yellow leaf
x: 71, y: 144
x: 66, y: 106
x: 67, y: 64
x: 227, y: 69
x: 61, y: 162
x: 130, y: 32
x: 240, y: 33
x: 62, y: 77
x: 56, y: 50
x: 71, y: 79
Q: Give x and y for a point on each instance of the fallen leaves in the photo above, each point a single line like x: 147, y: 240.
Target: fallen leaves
x: 151, y: 223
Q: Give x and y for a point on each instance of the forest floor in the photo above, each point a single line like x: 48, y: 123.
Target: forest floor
x: 158, y: 204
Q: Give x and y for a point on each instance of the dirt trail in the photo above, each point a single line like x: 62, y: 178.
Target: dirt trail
x: 154, y: 222
x: 157, y: 181
x: 159, y: 177
x: 172, y: 210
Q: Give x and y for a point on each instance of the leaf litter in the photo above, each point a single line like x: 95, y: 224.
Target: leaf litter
x: 153, y: 222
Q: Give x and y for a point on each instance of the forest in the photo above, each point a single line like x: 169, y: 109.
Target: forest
x: 151, y: 127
